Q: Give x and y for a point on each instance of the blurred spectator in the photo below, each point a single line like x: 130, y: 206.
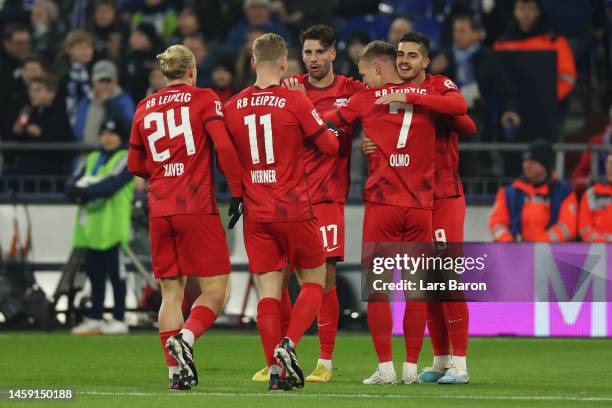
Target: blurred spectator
x: 160, y: 13
x: 46, y: 33
x: 581, y: 176
x: 595, y: 216
x: 577, y: 22
x: 258, y: 13
x: 245, y: 75
x: 107, y: 99
x: 43, y: 120
x: 489, y: 93
x: 144, y: 45
x: 75, y: 69
x: 223, y: 79
x: 197, y: 44
x: 109, y: 32
x: 298, y: 15
x: 33, y: 67
x: 346, y: 62
x: 535, y: 207
x: 497, y: 16
x: 479, y: 75
x: 531, y: 30
x: 399, y: 26
x: 157, y: 81
x: 294, y: 66
x: 15, y: 48
x: 188, y: 24
x: 104, y: 190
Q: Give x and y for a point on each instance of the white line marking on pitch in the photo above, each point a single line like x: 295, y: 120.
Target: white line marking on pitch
x: 306, y: 395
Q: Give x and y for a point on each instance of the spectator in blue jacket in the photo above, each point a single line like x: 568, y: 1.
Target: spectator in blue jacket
x: 258, y: 14
x: 106, y: 98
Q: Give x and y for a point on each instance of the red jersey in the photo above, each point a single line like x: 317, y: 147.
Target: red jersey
x: 401, y: 170
x: 170, y: 129
x: 447, y: 181
x: 269, y: 128
x: 328, y: 177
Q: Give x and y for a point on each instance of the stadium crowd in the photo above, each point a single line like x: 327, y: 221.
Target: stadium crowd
x: 98, y: 56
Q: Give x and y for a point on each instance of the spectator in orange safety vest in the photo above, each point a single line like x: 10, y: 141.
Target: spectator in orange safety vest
x: 530, y: 30
x: 595, y: 216
x: 536, y: 207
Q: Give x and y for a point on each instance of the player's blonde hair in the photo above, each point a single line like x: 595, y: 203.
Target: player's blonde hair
x: 175, y: 61
x: 269, y: 47
x: 378, y: 49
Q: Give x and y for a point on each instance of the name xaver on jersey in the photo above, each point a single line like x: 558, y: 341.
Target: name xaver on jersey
x: 173, y: 169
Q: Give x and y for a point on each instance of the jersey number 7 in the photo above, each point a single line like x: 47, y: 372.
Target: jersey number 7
x: 394, y: 108
x: 160, y: 131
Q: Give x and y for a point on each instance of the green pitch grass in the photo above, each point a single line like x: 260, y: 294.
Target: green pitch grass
x: 128, y: 371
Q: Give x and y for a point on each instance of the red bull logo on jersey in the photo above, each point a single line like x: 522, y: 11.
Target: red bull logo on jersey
x: 340, y: 102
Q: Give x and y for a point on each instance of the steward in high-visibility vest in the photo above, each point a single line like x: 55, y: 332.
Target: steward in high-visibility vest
x: 530, y: 31
x: 535, y: 207
x: 103, y: 188
x: 595, y: 216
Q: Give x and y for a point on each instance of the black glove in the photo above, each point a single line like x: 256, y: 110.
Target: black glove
x: 331, y: 127
x: 75, y: 194
x: 235, y: 211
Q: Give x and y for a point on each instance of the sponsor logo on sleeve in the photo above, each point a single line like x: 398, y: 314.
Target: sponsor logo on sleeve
x: 315, y: 115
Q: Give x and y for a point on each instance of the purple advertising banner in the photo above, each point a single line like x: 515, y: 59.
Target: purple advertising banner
x: 517, y: 275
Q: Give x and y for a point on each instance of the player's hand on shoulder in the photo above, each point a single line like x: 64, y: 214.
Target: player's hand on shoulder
x: 391, y: 98
x: 235, y: 211
x: 367, y: 145
x: 294, y: 85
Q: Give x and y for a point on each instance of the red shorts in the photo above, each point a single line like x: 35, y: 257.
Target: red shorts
x: 448, y: 219
x: 389, y: 223
x: 270, y: 245
x: 330, y: 217
x: 188, y: 245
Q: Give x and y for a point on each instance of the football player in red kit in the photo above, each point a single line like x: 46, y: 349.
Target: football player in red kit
x: 328, y: 182
x: 447, y: 321
x: 269, y: 126
x: 171, y: 145
x: 398, y: 202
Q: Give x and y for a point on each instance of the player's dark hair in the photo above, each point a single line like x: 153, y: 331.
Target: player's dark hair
x: 321, y: 32
x: 471, y: 19
x: 10, y: 29
x: 378, y: 48
x: 418, y: 38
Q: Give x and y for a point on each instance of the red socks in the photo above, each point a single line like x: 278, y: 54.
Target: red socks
x: 304, y: 311
x: 457, y: 315
x: 268, y: 325
x: 327, y: 319
x: 415, y: 317
x: 438, y: 331
x: 380, y: 323
x: 164, y: 336
x: 200, y: 319
x: 285, y: 312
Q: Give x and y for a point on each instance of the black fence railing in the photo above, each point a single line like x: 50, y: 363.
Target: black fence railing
x: 479, y: 189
